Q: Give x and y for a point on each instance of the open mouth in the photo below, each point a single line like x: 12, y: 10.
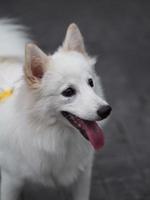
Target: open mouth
x: 89, y: 129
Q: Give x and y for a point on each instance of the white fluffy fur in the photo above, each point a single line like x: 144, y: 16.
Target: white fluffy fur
x: 36, y: 142
x: 9, y: 34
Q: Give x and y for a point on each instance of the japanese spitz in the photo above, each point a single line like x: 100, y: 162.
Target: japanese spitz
x: 48, y: 125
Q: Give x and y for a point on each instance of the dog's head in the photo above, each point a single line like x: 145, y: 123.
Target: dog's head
x: 66, y: 86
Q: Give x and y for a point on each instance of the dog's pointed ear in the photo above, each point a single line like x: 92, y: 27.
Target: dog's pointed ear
x: 74, y: 39
x: 36, y: 62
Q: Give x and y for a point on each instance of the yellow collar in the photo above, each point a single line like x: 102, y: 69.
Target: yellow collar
x: 5, y: 94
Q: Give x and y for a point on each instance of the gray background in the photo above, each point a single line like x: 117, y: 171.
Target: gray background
x: 119, y: 33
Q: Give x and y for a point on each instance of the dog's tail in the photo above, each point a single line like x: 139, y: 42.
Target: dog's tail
x: 12, y: 39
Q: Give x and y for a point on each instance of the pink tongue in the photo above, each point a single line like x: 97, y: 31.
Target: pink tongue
x: 94, y: 133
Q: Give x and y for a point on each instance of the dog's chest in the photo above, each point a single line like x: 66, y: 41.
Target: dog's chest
x: 64, y: 165
x: 58, y: 170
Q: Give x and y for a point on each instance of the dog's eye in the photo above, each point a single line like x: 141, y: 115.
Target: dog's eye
x: 69, y: 92
x: 90, y: 82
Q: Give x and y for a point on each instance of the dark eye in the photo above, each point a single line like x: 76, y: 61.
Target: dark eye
x: 90, y: 82
x: 69, y: 92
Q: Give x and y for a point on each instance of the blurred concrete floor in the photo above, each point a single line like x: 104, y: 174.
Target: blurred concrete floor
x: 118, y: 31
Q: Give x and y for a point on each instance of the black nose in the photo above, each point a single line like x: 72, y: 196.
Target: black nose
x: 104, y: 111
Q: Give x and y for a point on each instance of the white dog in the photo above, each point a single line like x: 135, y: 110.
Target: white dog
x: 49, y: 105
